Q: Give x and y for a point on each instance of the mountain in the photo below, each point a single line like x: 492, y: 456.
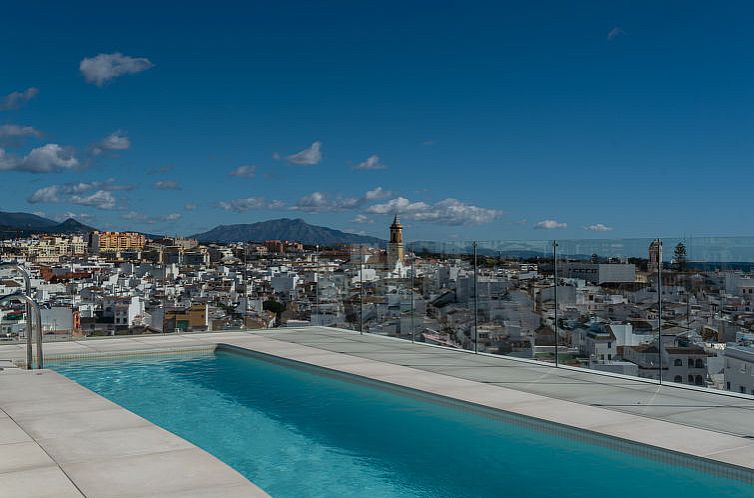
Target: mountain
x: 284, y: 229
x: 26, y: 224
x: 69, y: 226
x: 24, y: 220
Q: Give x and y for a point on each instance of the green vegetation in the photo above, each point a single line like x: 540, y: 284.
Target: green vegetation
x: 680, y: 261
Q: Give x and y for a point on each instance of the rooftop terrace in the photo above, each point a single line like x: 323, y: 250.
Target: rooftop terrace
x: 44, y: 415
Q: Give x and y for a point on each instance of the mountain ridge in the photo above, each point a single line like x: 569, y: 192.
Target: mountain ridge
x: 296, y: 230
x: 27, y: 224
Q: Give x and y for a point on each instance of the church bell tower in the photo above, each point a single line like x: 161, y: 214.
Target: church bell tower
x: 395, y: 246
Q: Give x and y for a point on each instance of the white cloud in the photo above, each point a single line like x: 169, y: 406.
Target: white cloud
x: 12, y: 134
x: 105, y: 67
x: 14, y: 100
x: 167, y: 185
x: 249, y: 203
x: 372, y: 162
x: 446, y: 212
x: 361, y: 219
x: 45, y: 194
x: 100, y: 199
x: 45, y: 159
x: 549, y: 225
x: 67, y: 192
x: 133, y: 215
x: 398, y: 205
x: 308, y: 157
x: 376, y: 194
x: 172, y: 217
x: 244, y: 171
x: 117, y: 140
x: 615, y: 33
x: 189, y: 206
x: 598, y: 227
x: 321, y: 202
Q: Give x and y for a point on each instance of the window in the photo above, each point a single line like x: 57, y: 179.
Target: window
x: 678, y: 379
x: 691, y: 379
x: 742, y: 390
x: 699, y: 363
x: 727, y: 386
x: 691, y: 362
x: 678, y: 362
x: 699, y: 380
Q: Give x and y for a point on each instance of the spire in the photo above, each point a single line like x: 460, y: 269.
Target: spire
x: 396, y: 222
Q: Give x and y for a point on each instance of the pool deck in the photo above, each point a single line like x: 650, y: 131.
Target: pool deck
x: 60, y: 439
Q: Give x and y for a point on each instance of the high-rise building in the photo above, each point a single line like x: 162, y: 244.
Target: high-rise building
x: 115, y: 241
x: 395, y: 246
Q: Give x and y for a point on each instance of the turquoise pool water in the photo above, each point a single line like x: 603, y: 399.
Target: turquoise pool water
x: 296, y: 434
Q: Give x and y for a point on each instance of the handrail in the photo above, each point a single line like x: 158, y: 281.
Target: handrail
x: 32, y: 311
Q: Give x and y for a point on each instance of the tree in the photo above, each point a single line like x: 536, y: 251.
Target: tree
x: 274, y: 307
x: 680, y: 262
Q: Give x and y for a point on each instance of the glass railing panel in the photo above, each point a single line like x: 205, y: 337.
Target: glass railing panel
x: 609, y: 305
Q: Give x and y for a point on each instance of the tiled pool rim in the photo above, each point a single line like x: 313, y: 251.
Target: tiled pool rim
x: 663, y: 455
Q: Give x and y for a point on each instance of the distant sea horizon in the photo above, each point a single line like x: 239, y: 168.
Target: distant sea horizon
x: 739, y: 249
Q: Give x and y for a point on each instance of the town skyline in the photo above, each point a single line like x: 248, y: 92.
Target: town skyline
x: 460, y: 135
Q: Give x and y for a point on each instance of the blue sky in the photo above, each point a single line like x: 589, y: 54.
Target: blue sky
x: 489, y: 120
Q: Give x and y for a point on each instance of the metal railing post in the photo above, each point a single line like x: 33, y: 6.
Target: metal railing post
x: 555, y: 294
x: 476, y: 303
x: 659, y: 310
x: 38, y: 317
x: 413, y: 305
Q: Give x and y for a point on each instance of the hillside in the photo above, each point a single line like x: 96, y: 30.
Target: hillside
x: 24, y: 224
x: 284, y: 229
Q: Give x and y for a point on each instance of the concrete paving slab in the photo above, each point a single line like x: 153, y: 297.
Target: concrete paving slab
x: 45, y: 482
x: 46, y: 427
x: 716, y: 418
x: 114, y: 443
x: 680, y: 438
x: 10, y: 432
x: 22, y: 456
x: 154, y: 475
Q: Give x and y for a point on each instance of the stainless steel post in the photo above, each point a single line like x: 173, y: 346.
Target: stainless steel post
x: 659, y: 310
x: 555, y: 294
x: 476, y: 304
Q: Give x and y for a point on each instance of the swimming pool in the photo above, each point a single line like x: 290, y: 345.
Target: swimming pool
x: 296, y: 432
